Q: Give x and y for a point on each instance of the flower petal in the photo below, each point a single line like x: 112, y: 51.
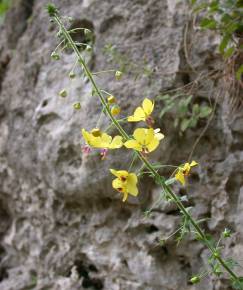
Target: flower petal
x: 148, y: 106
x: 193, y: 163
x: 116, y: 142
x: 133, y: 144
x: 138, y: 115
x: 140, y: 135
x: 125, y: 196
x: 149, y: 136
x: 180, y: 177
x: 119, y: 173
x: 152, y: 145
x: 117, y: 183
x: 132, y: 184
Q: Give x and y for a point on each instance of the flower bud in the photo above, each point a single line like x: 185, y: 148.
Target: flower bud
x: 226, y: 233
x: 216, y: 255
x: 72, y: 75
x: 195, y: 279
x: 115, y: 110
x: 55, y: 55
x: 111, y: 99
x: 88, y: 48
x: 118, y: 75
x: 87, y: 32
x: 96, y: 132
x: 77, y: 106
x: 63, y: 93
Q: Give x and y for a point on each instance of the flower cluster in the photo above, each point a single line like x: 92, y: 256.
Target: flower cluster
x: 144, y: 140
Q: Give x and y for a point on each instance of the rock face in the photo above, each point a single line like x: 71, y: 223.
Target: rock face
x: 62, y: 225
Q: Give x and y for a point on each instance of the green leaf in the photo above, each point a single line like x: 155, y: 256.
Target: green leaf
x: 166, y: 109
x: 224, y: 42
x: 170, y: 181
x: 185, y: 124
x: 208, y: 23
x: 193, y: 122
x: 239, y: 73
x: 183, y: 106
x: 229, y: 52
x: 205, y: 111
x: 195, y: 109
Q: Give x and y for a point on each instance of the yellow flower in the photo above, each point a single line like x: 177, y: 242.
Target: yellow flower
x: 184, y: 171
x: 125, y: 183
x: 145, y: 140
x: 98, y: 139
x: 143, y: 113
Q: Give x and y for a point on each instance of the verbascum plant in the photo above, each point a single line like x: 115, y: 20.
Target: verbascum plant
x: 143, y: 141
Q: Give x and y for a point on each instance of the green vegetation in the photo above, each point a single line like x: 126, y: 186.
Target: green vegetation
x: 4, y: 6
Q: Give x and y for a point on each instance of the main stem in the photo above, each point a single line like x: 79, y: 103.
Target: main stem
x: 141, y: 157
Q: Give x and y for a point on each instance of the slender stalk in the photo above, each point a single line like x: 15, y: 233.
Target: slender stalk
x: 149, y: 166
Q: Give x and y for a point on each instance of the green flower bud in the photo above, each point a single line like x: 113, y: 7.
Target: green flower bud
x: 195, y: 279
x: 63, y: 93
x: 77, y: 106
x: 226, y: 233
x: 88, y: 48
x: 111, y: 99
x: 216, y: 255
x: 87, y: 32
x: 72, y: 75
x: 115, y: 110
x: 55, y: 55
x: 118, y: 75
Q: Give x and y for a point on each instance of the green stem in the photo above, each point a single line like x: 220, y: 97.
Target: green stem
x: 140, y: 155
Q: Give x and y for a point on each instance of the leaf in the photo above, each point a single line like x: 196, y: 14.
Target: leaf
x: 229, y: 52
x: 193, y: 122
x: 170, y: 181
x: 224, y: 42
x: 208, y: 23
x: 166, y: 109
x: 183, y: 106
x: 205, y: 111
x: 239, y: 73
x: 196, y: 109
x: 185, y: 124
x: 164, y: 97
x: 214, y: 6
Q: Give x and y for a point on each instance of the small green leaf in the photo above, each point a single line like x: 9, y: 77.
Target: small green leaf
x: 166, y: 109
x: 205, y: 111
x: 185, y: 124
x: 193, y: 122
x: 195, y: 109
x: 208, y: 23
x: 239, y: 73
x: 224, y: 42
x: 229, y: 52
